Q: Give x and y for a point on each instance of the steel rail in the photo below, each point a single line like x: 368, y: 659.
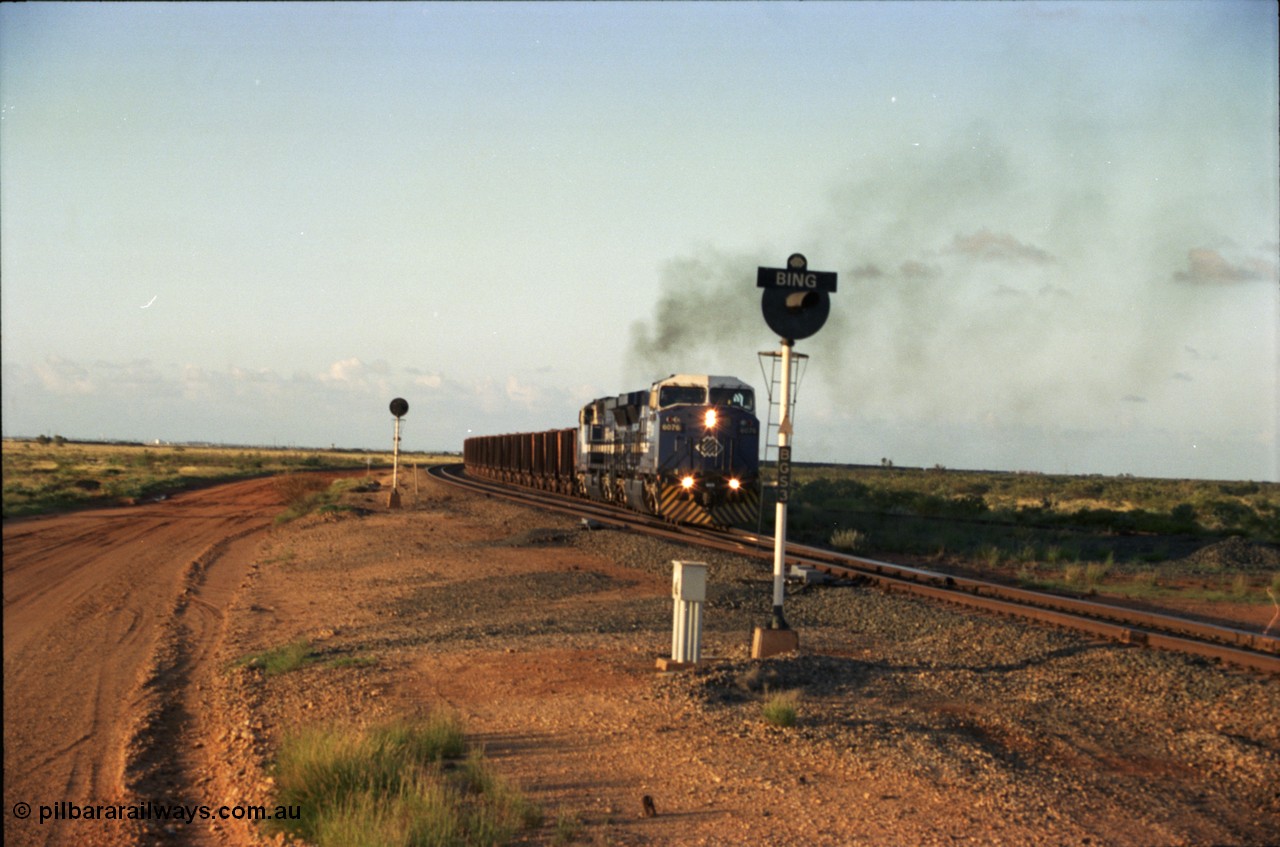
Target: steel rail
x: 1093, y: 617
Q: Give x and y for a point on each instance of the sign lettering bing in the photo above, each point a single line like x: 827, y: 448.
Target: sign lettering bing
x: 796, y: 279
x: 784, y: 473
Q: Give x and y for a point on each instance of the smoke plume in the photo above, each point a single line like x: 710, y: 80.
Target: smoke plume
x: 975, y: 291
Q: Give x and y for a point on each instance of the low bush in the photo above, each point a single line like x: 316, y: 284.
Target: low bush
x: 781, y: 709
x: 849, y: 539
x: 397, y: 784
x: 280, y: 660
x: 295, y: 489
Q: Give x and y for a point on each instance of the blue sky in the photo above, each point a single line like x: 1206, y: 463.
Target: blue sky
x: 1056, y: 224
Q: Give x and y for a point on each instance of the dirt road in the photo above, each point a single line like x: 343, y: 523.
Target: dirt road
x: 101, y: 610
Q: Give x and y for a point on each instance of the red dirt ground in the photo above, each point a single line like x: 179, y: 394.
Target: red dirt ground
x: 86, y: 598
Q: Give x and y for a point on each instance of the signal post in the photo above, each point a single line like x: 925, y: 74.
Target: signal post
x: 795, y: 304
x: 399, y: 408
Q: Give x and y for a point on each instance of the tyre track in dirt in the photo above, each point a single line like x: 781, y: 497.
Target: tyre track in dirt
x: 110, y: 619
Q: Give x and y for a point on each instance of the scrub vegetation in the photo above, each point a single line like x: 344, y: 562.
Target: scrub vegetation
x: 781, y: 708
x: 279, y: 660
x: 307, y: 493
x: 1218, y: 540
x: 54, y: 474
x: 404, y: 783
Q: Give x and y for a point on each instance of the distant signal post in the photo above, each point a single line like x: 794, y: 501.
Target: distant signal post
x: 796, y: 303
x: 399, y: 408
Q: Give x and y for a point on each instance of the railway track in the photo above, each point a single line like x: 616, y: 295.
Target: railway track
x: 1157, y: 630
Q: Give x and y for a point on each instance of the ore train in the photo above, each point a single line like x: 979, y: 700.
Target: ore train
x: 686, y: 449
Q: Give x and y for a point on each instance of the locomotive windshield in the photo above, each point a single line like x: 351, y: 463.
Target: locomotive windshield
x: 677, y: 395
x: 696, y: 395
x: 740, y: 398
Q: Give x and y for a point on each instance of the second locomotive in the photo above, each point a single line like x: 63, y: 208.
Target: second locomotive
x: 687, y: 449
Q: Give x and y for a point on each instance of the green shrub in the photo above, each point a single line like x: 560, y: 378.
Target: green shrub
x: 781, y: 709
x: 280, y: 660
x: 849, y: 539
x: 1095, y: 572
x: 306, y: 493
x: 1146, y: 579
x: 397, y: 784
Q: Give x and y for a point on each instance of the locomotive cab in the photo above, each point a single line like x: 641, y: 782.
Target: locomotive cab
x: 702, y: 461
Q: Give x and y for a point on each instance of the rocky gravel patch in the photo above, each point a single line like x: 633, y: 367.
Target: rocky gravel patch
x: 917, y: 723
x: 1233, y: 554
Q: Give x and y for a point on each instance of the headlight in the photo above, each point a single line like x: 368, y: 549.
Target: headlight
x: 734, y: 484
x: 711, y: 419
x: 686, y: 483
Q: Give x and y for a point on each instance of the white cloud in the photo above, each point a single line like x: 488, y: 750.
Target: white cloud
x: 59, y: 376
x: 345, y: 403
x: 346, y: 370
x: 1212, y: 266
x: 521, y: 394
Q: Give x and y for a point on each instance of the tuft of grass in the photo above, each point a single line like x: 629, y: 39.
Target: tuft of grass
x: 280, y: 660
x: 304, y: 493
x: 1239, y: 587
x: 1088, y: 576
x: 782, y: 708
x: 396, y: 784
x: 1027, y: 577
x: 1146, y: 579
x: 1073, y: 574
x: 567, y: 829
x: 353, y: 662
x: 849, y: 539
x: 1095, y: 572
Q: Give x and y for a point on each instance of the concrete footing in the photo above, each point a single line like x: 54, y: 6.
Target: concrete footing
x: 393, y: 499
x: 671, y: 665
x: 771, y: 642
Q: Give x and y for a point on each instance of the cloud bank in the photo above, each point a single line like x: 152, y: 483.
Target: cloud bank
x: 344, y: 404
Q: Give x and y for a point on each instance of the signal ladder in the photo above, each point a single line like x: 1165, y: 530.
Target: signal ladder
x: 773, y: 420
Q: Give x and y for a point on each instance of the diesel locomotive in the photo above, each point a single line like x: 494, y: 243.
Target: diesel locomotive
x: 686, y: 449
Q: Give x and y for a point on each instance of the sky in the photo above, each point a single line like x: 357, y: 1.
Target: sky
x: 1056, y: 226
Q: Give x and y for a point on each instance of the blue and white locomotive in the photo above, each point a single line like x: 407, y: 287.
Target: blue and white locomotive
x: 686, y: 449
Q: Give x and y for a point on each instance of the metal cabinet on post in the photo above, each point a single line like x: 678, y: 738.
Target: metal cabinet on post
x: 689, y: 591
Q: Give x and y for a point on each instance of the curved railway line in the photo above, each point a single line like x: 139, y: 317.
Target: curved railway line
x: 1105, y: 620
